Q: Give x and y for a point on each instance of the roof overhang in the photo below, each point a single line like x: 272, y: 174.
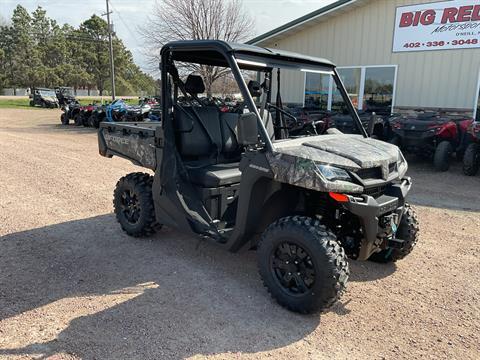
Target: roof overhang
x: 213, y: 52
x: 308, y: 20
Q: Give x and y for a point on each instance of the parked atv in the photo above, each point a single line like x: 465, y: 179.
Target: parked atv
x: 45, y: 98
x: 431, y: 135
x: 471, y: 158
x: 70, y: 112
x: 374, y: 124
x: 240, y: 179
x: 81, y: 115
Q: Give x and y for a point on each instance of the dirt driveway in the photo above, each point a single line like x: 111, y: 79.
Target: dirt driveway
x: 72, y: 285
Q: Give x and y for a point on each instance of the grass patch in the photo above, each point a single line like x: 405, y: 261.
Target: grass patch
x: 15, y: 104
x: 24, y: 103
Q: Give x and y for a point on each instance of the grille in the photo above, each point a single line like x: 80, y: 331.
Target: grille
x: 376, y: 191
x: 372, y: 173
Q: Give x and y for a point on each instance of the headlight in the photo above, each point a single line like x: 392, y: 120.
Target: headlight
x: 332, y: 173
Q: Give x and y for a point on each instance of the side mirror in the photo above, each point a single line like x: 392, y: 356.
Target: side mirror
x: 247, y: 129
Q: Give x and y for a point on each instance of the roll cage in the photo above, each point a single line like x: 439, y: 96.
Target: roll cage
x: 239, y: 57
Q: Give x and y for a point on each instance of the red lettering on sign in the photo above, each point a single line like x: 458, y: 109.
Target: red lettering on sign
x: 464, y: 13
x: 416, y: 19
x: 476, y: 13
x: 428, y: 17
x: 406, y: 19
x: 449, y: 15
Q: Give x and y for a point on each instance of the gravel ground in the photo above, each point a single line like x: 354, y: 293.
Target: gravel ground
x: 72, y: 285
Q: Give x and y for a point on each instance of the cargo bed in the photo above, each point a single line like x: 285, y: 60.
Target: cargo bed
x: 133, y: 141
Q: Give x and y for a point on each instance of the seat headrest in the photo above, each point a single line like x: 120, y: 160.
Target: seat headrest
x: 254, y: 88
x: 194, y: 84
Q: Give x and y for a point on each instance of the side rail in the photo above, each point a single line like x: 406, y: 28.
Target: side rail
x: 130, y: 141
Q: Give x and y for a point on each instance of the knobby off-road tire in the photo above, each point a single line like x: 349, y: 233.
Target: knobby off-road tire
x: 64, y: 119
x: 443, y: 156
x: 408, y: 231
x: 471, y: 160
x: 77, y: 120
x: 133, y: 205
x: 313, y: 277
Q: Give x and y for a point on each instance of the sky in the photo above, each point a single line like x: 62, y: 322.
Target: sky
x: 128, y: 15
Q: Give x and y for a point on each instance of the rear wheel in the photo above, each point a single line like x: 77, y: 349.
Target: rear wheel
x: 32, y: 103
x: 133, y: 204
x: 443, y: 156
x: 408, y: 231
x: 471, y: 160
x: 77, y: 120
x: 302, y: 265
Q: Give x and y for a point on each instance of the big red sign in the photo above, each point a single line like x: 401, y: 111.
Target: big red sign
x: 437, y: 26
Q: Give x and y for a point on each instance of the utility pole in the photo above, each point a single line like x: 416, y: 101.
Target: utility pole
x: 112, y: 65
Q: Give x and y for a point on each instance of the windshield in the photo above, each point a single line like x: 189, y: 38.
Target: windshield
x: 47, y: 93
x: 303, y: 100
x: 67, y: 91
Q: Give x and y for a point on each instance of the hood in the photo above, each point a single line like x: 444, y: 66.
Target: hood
x: 49, y: 98
x: 351, y: 152
x: 298, y: 159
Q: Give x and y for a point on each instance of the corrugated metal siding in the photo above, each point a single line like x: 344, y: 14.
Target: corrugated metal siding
x: 364, y: 35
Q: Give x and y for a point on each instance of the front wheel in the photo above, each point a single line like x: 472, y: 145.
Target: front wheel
x: 64, y: 119
x: 442, y: 157
x: 408, y: 231
x: 302, y: 265
x: 471, y: 160
x: 133, y: 204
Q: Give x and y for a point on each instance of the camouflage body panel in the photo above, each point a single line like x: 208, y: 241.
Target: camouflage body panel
x: 139, y: 149
x: 295, y: 161
x: 301, y: 172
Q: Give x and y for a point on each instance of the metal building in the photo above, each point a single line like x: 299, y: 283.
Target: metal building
x: 395, y: 54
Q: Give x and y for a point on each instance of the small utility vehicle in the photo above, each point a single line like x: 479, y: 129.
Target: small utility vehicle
x: 45, y: 98
x: 431, y: 135
x: 241, y: 180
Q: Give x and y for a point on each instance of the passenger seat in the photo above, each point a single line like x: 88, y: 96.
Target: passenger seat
x: 207, y: 142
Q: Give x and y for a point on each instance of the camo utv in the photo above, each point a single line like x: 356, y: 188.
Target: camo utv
x: 239, y: 178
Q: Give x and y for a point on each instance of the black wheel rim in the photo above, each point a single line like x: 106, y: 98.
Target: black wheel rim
x: 130, y: 206
x: 292, y: 268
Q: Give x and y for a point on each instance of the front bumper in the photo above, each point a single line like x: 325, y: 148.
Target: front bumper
x: 370, y: 210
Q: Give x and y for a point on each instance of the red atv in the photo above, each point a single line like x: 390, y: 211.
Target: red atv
x: 471, y: 158
x: 431, y: 135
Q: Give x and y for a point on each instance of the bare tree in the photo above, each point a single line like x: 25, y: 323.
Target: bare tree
x: 195, y: 20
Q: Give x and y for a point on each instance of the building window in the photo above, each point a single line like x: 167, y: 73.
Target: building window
x: 351, y: 78
x: 371, y: 88
x: 316, y: 90
x: 378, y: 89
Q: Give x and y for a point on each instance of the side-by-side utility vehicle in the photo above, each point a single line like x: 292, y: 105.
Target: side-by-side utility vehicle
x: 45, y: 98
x: 305, y: 202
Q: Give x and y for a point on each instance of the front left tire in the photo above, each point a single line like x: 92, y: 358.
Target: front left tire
x: 302, y: 265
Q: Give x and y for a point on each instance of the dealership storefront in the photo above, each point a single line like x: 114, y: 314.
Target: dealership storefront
x: 393, y: 55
